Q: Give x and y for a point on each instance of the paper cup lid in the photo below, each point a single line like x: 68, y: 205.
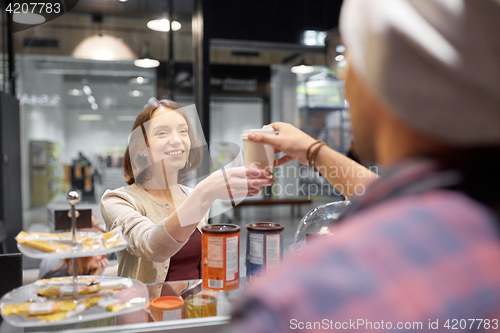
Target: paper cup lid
x: 266, y: 129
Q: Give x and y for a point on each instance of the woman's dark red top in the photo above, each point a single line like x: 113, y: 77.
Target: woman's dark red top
x: 186, y: 264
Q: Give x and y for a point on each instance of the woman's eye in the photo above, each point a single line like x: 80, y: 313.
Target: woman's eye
x: 162, y: 133
x: 183, y: 131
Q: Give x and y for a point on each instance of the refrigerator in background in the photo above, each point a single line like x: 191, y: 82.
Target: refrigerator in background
x: 324, y: 116
x: 46, y: 172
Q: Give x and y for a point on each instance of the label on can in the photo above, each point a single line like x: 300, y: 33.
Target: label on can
x: 256, y: 248
x: 231, y: 258
x: 264, y: 247
x: 172, y: 314
x: 215, y: 252
x: 215, y: 284
x: 273, y: 250
x: 220, y: 257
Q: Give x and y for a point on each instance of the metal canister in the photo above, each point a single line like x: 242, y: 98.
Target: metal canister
x: 264, y: 248
x: 220, y: 268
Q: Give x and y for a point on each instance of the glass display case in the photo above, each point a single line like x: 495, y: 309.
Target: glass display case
x: 145, y: 321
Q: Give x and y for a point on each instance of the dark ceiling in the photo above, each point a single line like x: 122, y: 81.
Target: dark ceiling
x: 135, y: 8
x: 272, y: 20
x: 256, y: 20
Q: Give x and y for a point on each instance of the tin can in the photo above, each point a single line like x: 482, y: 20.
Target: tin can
x: 220, y: 257
x: 198, y: 306
x: 264, y: 248
x: 167, y: 308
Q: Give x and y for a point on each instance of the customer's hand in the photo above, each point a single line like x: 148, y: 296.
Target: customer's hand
x: 290, y: 140
x: 237, y: 183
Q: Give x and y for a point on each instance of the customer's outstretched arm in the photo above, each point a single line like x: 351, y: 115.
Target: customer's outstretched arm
x: 348, y: 177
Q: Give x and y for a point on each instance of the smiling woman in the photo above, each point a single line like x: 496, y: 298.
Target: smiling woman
x: 146, y: 129
x: 170, y: 143
x: 162, y: 218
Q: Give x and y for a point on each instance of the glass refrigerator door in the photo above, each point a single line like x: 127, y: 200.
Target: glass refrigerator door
x: 324, y: 116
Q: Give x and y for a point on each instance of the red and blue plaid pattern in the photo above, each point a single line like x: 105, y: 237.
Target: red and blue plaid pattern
x: 413, y: 258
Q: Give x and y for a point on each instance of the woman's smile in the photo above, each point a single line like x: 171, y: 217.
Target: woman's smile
x: 177, y: 153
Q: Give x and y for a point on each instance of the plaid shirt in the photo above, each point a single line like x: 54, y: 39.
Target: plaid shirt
x: 410, y: 255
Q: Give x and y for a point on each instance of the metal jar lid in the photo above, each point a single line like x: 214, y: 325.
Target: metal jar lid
x: 220, y: 229
x: 264, y: 226
x: 165, y: 303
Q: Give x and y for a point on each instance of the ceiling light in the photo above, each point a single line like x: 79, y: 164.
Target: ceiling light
x: 314, y: 38
x: 176, y: 25
x: 135, y: 93
x: 90, y: 117
x: 340, y: 57
x: 140, y: 80
x: 163, y: 25
x: 91, y: 99
x: 123, y: 0
x: 94, y: 106
x: 87, y: 90
x: 107, y: 48
x: 28, y: 18
x: 108, y: 101
x: 309, y: 37
x: 340, y: 48
x: 75, y: 92
x: 302, y: 69
x: 126, y: 118
x: 147, y: 63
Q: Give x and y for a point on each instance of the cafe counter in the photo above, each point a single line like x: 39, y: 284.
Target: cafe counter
x: 199, y: 310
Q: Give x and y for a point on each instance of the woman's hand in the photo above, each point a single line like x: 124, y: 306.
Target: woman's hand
x: 226, y: 184
x: 234, y: 183
x: 290, y: 140
x: 97, y: 264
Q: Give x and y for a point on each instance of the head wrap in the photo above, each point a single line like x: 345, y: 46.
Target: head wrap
x: 436, y: 63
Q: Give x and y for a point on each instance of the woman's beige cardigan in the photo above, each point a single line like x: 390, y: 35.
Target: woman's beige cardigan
x: 150, y: 246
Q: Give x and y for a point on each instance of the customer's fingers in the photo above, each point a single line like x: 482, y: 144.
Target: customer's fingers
x: 283, y: 160
x: 278, y: 125
x: 267, y: 139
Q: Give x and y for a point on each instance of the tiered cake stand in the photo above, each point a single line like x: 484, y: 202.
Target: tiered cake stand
x: 135, y: 293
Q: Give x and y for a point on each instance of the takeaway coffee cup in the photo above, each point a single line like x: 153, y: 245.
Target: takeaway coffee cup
x: 258, y: 155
